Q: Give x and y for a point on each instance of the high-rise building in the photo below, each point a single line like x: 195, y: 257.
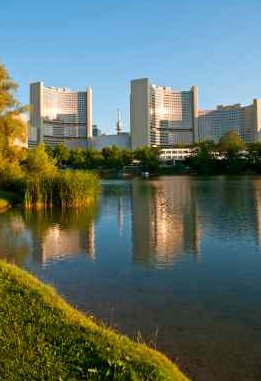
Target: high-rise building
x: 95, y: 130
x: 60, y: 115
x: 245, y: 120
x: 161, y: 116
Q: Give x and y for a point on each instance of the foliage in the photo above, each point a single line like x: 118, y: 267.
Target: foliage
x: 203, y: 162
x: 61, y: 153
x: 112, y: 157
x: 64, y: 189
x: 43, y: 338
x: 230, y: 143
x: 77, y: 158
x: 254, y: 156
x: 93, y: 158
x: 13, y: 129
x: 39, y: 162
x: 149, y: 157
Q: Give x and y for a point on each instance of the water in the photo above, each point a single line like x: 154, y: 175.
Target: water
x: 174, y: 262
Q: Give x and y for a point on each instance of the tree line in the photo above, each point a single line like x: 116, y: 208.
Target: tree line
x: 230, y: 156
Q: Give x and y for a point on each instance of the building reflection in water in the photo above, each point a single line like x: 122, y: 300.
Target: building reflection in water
x: 58, y: 243
x: 15, y: 239
x: 57, y: 236
x: 165, y: 223
x: 257, y: 190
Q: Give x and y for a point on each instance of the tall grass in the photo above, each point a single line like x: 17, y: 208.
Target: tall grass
x: 65, y: 189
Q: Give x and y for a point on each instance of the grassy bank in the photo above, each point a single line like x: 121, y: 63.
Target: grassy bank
x: 43, y: 338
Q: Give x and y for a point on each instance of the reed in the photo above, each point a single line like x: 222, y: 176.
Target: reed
x: 65, y: 189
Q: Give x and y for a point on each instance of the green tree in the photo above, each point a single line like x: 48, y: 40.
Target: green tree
x: 61, y: 153
x: 148, y: 156
x: 254, y: 156
x: 203, y: 162
x: 13, y: 130
x: 39, y: 162
x: 93, y: 158
x: 230, y: 146
x: 231, y: 143
x: 77, y: 158
x: 126, y: 156
x: 112, y: 157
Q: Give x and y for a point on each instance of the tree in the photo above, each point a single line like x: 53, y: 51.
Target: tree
x: 61, y: 153
x: 93, y: 158
x: 231, y: 143
x: 13, y: 129
x: 230, y: 146
x: 203, y: 162
x: 148, y: 156
x: 254, y: 156
x: 77, y: 158
x: 112, y: 157
x: 39, y: 162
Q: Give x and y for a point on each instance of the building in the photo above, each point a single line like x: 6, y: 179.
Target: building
x: 161, y: 116
x: 60, y: 115
x: 122, y: 140
x: 176, y: 154
x: 95, y: 130
x: 245, y: 120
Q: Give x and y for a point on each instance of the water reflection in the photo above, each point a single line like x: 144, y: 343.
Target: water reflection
x: 15, y: 240
x: 46, y: 236
x: 165, y: 221
x: 204, y: 236
x: 167, y: 216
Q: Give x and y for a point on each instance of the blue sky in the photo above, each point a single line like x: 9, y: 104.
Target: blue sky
x: 105, y: 43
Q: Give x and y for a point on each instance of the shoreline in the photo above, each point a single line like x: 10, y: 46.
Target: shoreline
x: 53, y: 338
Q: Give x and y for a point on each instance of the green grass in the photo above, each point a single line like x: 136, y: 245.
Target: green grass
x: 43, y: 338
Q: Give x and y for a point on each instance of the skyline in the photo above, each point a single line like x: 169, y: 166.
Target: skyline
x: 75, y: 45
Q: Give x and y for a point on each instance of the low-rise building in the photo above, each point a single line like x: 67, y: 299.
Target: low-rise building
x: 122, y: 140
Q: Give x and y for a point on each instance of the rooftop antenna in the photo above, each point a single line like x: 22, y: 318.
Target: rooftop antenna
x: 119, y: 122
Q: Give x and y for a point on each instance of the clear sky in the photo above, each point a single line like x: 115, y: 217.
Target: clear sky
x: 105, y: 43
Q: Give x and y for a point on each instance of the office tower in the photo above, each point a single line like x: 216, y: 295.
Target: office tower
x: 257, y: 119
x: 161, y: 116
x: 60, y: 115
x: 245, y: 120
x: 95, y: 130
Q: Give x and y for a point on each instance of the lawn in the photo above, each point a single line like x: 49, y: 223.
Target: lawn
x: 44, y: 338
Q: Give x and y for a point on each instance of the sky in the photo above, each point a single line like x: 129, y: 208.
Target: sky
x: 215, y: 45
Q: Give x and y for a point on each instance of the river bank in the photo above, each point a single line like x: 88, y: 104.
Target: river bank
x: 42, y: 337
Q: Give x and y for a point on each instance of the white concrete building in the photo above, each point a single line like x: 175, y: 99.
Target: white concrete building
x: 176, y: 154
x: 60, y: 115
x: 161, y: 116
x: 245, y: 120
x: 122, y: 140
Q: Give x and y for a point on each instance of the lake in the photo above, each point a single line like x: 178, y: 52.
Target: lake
x: 173, y: 261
